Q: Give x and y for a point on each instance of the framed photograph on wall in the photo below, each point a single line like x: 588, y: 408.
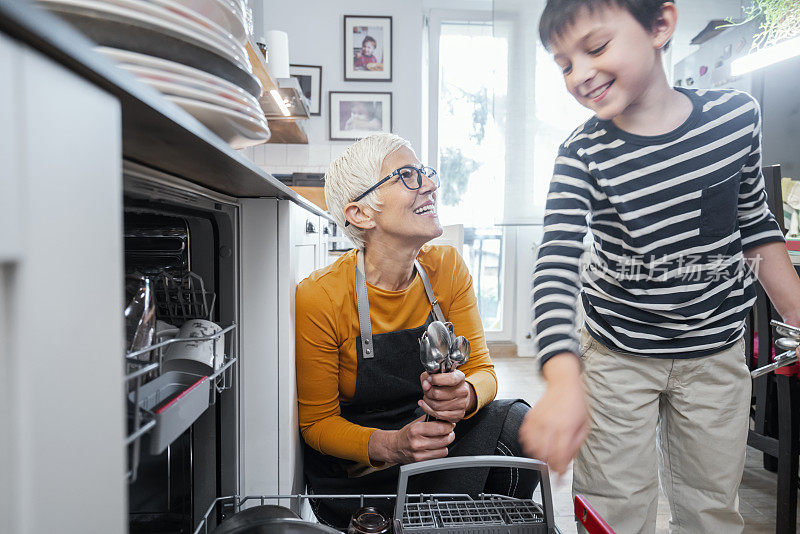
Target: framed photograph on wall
x: 367, y: 48
x: 310, y: 79
x: 354, y: 115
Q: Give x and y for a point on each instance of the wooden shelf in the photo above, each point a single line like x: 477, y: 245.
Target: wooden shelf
x: 287, y: 132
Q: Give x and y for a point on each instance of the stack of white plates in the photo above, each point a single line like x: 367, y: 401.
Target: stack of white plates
x: 227, y: 110
x: 193, y: 51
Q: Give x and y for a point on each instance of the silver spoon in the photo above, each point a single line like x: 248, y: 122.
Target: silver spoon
x: 459, y: 352
x: 439, y: 339
x: 434, y: 347
x: 787, y: 332
x: 430, y: 362
x: 787, y: 343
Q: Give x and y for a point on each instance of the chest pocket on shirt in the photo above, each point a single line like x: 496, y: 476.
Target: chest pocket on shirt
x: 718, y: 207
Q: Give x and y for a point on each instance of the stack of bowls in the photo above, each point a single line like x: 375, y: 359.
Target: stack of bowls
x: 193, y: 51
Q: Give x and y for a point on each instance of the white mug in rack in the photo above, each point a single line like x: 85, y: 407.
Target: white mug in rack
x: 200, y: 356
x: 165, y: 331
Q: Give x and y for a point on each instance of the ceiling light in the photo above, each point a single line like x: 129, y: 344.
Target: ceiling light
x: 279, y: 100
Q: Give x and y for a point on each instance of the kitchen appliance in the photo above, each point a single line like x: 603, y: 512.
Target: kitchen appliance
x: 444, y: 513
x: 183, y: 437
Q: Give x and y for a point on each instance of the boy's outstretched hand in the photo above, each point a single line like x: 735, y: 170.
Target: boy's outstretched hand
x: 555, y: 428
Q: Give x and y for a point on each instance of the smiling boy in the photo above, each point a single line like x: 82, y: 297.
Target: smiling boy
x: 366, y: 55
x: 671, y: 182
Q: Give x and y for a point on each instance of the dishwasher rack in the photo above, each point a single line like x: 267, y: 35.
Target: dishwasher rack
x: 167, y: 410
x: 440, y: 513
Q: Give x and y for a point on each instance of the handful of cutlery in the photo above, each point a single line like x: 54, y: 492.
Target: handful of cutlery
x: 789, y: 343
x: 441, y: 351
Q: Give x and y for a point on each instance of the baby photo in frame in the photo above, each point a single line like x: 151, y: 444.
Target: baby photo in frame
x: 353, y: 115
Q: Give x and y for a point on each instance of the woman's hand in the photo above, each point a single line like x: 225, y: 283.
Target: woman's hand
x: 447, y: 396
x: 555, y: 428
x: 417, y: 441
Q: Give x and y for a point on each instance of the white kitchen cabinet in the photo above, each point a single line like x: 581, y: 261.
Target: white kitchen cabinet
x: 326, y: 258
x: 281, y: 245
x: 299, y: 255
x: 61, y: 277
x: 10, y: 56
x: 258, y: 369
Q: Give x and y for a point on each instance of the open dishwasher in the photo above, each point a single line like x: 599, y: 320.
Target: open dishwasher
x: 418, y: 513
x: 415, y: 513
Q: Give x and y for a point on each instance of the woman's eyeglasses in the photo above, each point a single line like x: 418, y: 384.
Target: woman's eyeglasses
x: 411, y: 177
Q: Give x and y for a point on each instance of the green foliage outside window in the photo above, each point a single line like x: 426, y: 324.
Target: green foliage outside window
x: 455, y: 171
x: 780, y: 20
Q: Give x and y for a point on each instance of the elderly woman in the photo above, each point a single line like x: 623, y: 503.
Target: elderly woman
x: 361, y: 389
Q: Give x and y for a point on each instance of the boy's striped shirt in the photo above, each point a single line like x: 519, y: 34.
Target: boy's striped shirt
x: 670, y: 216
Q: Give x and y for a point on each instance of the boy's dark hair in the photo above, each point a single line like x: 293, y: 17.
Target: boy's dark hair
x: 368, y: 39
x: 559, y: 14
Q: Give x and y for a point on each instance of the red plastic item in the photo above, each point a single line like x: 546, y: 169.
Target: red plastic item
x: 589, y: 518
x: 793, y: 244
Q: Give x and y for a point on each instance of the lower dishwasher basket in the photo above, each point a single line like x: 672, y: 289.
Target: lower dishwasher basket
x: 443, y: 513
x: 489, y: 514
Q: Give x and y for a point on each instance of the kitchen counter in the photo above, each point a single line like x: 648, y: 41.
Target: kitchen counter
x: 155, y: 132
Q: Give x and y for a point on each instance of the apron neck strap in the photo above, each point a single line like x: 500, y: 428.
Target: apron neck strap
x: 437, y: 310
x: 362, y: 300
x: 364, y: 322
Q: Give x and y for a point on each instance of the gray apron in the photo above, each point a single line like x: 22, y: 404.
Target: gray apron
x: 386, y: 394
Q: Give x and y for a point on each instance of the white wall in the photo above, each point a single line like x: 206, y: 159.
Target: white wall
x: 315, y: 38
x: 693, y: 16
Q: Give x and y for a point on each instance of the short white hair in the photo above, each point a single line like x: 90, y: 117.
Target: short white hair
x: 357, y: 169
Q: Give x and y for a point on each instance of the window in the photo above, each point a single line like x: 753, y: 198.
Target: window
x: 471, y: 153
x: 498, y: 111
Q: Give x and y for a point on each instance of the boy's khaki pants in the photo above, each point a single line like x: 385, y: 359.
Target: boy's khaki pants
x: 689, y: 416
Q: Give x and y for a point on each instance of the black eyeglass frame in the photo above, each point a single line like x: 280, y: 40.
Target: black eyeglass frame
x: 434, y: 176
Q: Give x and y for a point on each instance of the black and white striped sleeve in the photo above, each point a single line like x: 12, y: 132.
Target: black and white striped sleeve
x: 756, y: 223
x: 556, y: 277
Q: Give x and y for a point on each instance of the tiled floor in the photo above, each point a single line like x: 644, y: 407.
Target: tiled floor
x: 520, y: 378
